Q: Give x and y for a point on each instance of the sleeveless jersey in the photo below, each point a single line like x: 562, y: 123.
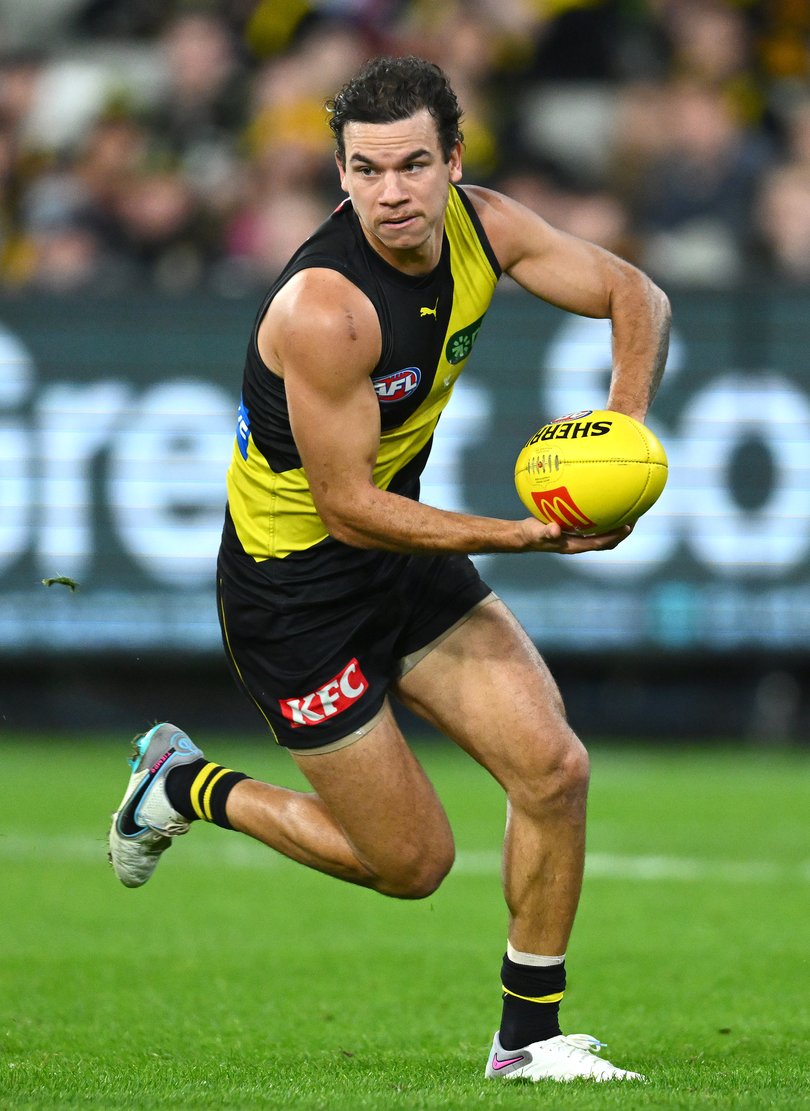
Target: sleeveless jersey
x: 428, y: 323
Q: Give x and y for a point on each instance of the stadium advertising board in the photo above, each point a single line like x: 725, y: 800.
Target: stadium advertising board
x: 117, y: 422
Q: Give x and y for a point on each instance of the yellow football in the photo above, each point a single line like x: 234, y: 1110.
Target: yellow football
x: 591, y: 472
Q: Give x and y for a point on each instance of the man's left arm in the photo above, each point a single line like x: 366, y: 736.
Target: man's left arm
x: 582, y: 278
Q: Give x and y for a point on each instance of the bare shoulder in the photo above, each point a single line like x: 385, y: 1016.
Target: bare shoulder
x: 511, y: 227
x: 319, y: 314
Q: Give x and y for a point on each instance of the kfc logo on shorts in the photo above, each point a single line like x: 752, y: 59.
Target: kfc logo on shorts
x: 332, y: 698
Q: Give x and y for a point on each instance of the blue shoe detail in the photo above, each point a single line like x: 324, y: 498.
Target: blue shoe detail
x: 145, y: 822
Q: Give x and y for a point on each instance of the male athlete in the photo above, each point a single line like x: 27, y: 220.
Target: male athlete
x: 336, y: 585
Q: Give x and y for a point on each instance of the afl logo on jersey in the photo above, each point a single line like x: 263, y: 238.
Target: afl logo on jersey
x: 397, y: 386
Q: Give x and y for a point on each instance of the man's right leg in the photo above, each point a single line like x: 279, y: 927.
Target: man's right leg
x: 374, y: 818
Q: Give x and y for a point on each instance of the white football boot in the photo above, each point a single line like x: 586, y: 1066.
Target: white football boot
x: 145, y: 822
x: 566, y: 1057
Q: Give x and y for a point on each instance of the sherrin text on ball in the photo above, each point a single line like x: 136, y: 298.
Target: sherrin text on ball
x: 591, y: 472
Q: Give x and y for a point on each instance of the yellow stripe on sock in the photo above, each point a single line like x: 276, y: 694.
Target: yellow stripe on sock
x: 554, y: 998
x: 197, y: 786
x: 206, y: 803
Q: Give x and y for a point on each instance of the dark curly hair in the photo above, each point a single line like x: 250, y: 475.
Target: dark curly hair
x: 388, y: 89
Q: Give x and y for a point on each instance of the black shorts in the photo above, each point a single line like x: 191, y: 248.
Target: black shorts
x: 320, y: 672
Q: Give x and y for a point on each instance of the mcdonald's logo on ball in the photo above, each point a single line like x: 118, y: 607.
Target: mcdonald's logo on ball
x: 591, y: 472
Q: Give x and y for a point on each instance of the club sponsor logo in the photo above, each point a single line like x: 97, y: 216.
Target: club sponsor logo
x: 242, y: 428
x: 332, y: 698
x: 559, y: 507
x: 397, y: 385
x: 461, y: 343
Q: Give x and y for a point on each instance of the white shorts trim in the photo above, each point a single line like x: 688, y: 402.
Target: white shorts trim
x: 344, y: 742
x: 407, y: 663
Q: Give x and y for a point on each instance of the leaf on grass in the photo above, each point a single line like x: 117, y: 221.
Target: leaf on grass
x: 62, y: 580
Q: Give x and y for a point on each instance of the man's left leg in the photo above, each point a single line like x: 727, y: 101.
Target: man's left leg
x: 486, y: 687
x: 374, y: 818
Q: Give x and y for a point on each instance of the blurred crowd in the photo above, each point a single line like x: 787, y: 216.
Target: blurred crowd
x: 179, y: 145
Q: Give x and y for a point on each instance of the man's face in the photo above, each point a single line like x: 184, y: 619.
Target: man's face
x: 398, y: 182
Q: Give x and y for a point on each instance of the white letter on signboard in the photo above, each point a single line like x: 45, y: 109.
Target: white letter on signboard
x: 167, y: 480
x: 738, y: 408
x: 16, y: 495
x: 76, y: 423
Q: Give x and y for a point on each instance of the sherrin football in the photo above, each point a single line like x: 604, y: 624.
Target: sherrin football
x: 591, y: 472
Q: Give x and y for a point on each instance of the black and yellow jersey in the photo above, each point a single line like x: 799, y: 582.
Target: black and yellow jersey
x: 428, y: 324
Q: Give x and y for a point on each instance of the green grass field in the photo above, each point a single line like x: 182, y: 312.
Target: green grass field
x: 236, y: 979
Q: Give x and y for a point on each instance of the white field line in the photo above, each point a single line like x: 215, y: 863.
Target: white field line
x: 631, y: 867
x: 235, y: 852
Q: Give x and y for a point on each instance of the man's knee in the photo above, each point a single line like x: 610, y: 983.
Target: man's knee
x: 552, y: 775
x: 419, y: 871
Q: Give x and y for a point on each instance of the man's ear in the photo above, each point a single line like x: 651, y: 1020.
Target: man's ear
x: 341, y: 172
x: 455, y: 163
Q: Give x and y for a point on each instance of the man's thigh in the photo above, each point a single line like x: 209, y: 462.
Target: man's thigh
x: 486, y: 687
x: 381, y: 797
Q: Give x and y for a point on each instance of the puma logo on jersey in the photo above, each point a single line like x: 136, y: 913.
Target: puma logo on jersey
x: 427, y: 311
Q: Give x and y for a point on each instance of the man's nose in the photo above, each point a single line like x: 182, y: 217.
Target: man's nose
x: 392, y: 191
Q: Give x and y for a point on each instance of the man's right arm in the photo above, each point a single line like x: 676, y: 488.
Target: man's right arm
x: 322, y: 335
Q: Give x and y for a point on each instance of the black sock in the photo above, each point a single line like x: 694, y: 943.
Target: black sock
x: 201, y: 789
x: 531, y: 1003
